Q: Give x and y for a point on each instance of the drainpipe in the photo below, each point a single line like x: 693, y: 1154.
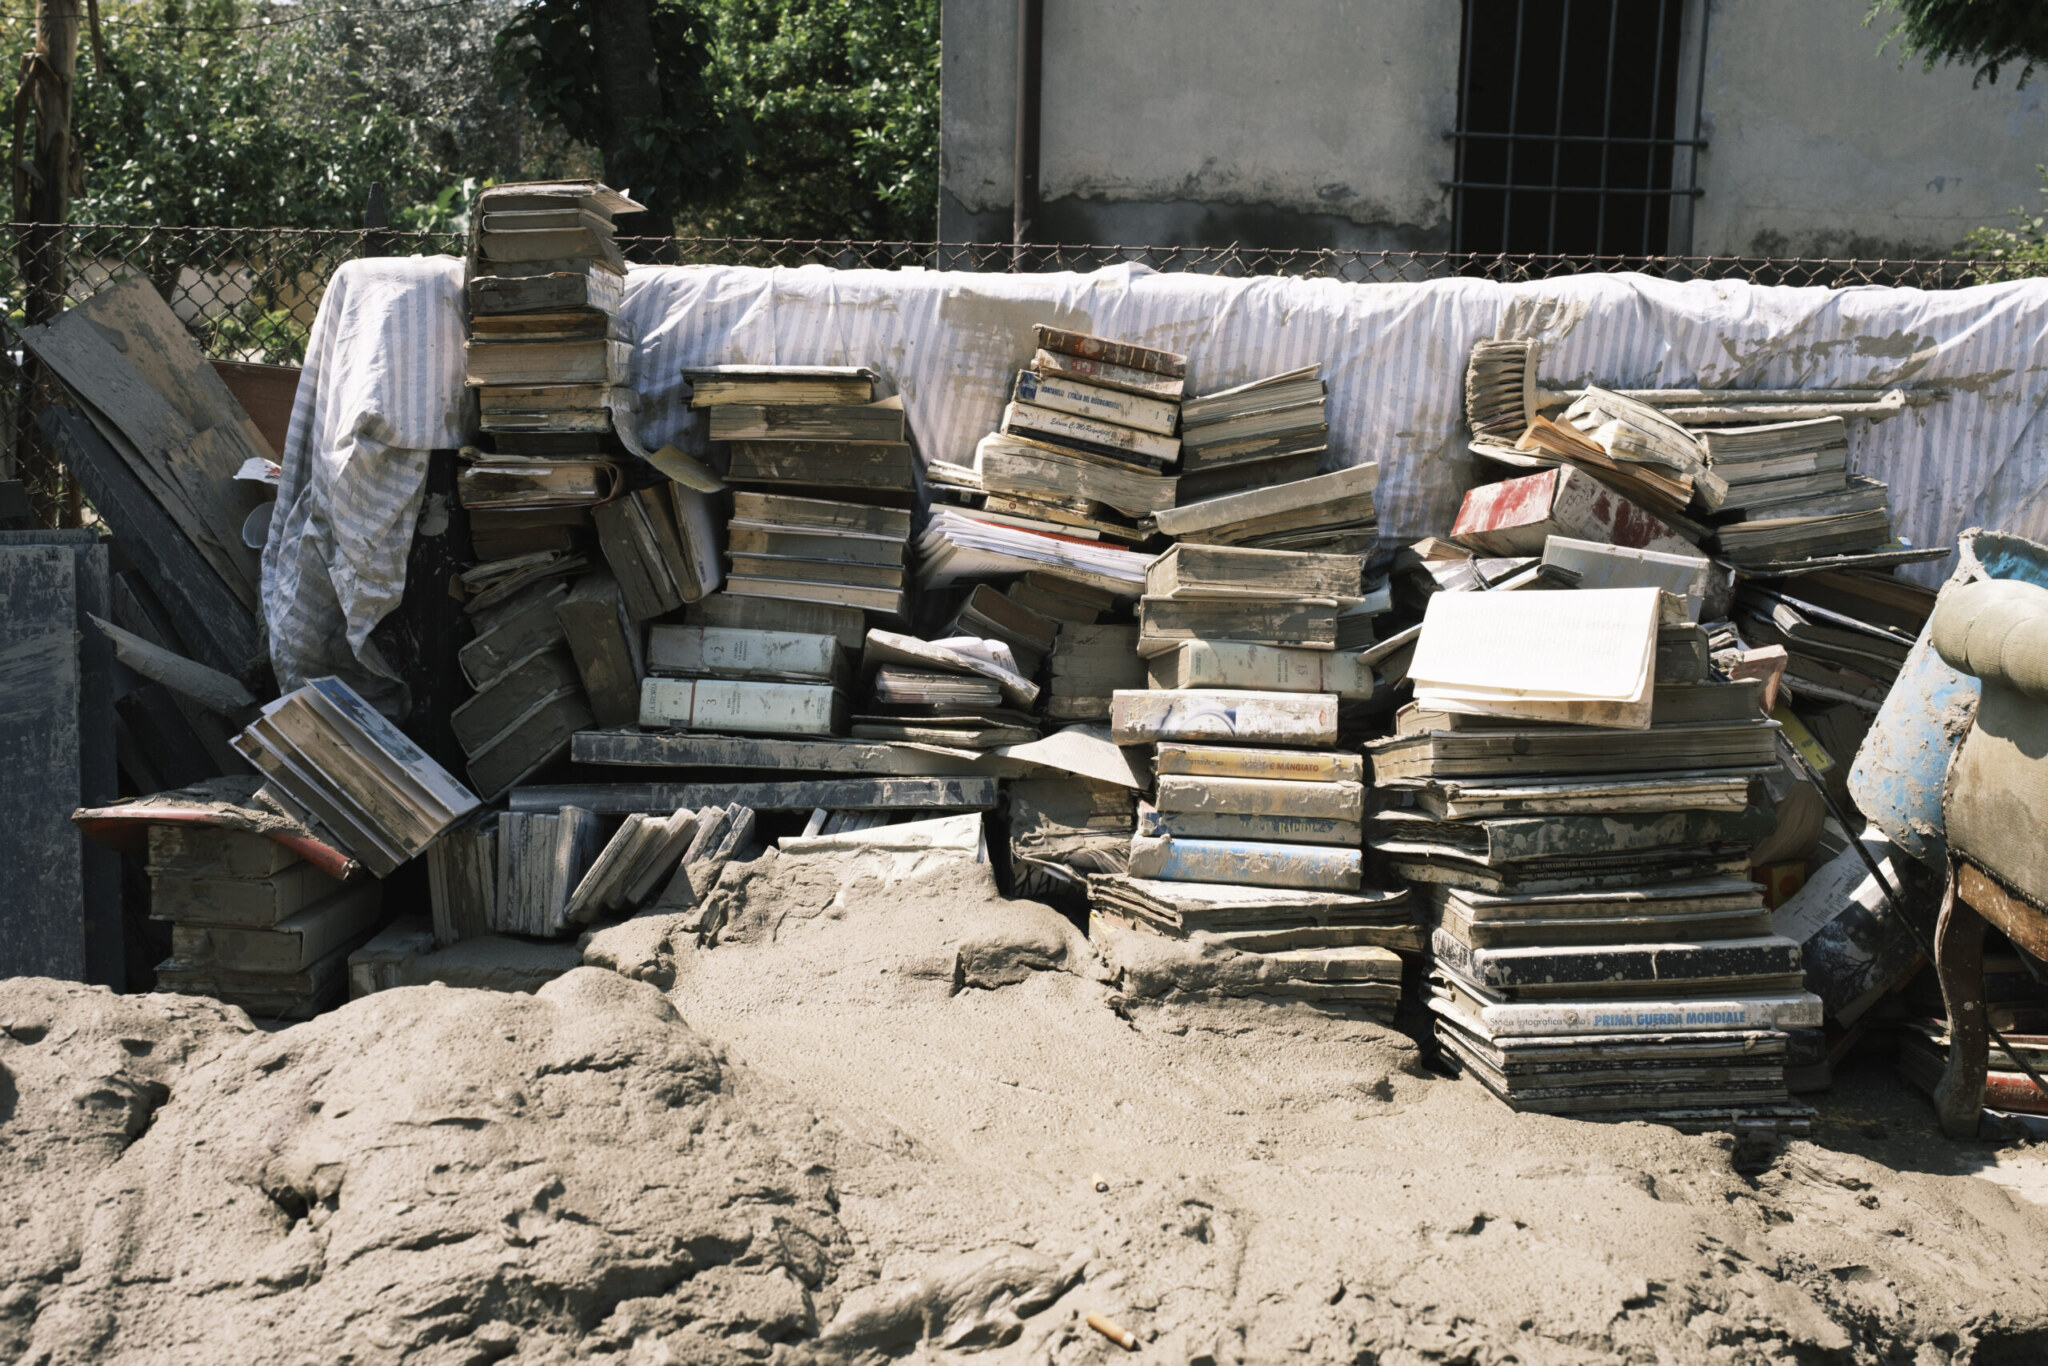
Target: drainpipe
x: 1030, y: 55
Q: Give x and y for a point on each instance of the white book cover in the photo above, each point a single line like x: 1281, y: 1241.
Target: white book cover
x: 1521, y: 654
x: 1028, y: 418
x: 724, y: 705
x: 1088, y: 400
x: 731, y: 651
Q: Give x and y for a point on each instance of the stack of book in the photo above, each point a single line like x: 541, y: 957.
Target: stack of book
x: 964, y: 692
x: 526, y: 504
x: 818, y: 550
x: 542, y: 856
x: 546, y: 352
x: 1270, y: 431
x: 1089, y: 665
x: 253, y: 924
x: 1599, y: 948
x: 1220, y: 596
x: 1250, y: 796
x: 826, y: 479
x: 1084, y: 443
x: 807, y: 430
x: 959, y: 543
x: 1846, y: 634
x: 1790, y: 496
x: 744, y: 681
x: 1333, y: 513
x: 333, y: 763
x: 529, y: 696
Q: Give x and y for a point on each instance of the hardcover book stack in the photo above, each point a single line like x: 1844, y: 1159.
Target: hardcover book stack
x: 1572, y: 790
x: 1333, y: 513
x: 826, y: 434
x: 1846, y: 633
x: 740, y: 680
x: 963, y: 691
x: 333, y: 763
x: 1270, y: 431
x: 1790, y: 496
x: 546, y: 352
x: 253, y: 924
x: 1251, y: 837
x: 529, y: 696
x: 827, y: 483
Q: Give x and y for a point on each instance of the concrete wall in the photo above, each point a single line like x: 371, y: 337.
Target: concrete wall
x: 1320, y: 123
x: 1304, y: 123
x: 1821, y: 147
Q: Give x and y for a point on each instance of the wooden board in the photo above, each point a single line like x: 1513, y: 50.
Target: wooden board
x: 845, y: 794
x: 209, y: 617
x: 188, y: 468
x: 144, y: 329
x: 266, y: 393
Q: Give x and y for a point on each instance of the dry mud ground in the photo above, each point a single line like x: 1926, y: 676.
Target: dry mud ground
x: 867, y: 1124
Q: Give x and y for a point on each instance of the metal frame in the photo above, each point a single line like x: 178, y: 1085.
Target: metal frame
x: 1680, y: 190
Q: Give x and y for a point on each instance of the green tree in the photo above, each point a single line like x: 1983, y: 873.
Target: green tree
x: 1990, y: 35
x: 777, y: 118
x: 627, y: 77
x: 1987, y: 34
x: 840, y: 100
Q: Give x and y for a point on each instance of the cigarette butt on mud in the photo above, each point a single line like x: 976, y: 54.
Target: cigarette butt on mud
x: 1115, y: 1332
x: 1099, y: 1181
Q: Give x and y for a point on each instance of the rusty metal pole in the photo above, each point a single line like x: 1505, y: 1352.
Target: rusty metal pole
x: 1024, y: 167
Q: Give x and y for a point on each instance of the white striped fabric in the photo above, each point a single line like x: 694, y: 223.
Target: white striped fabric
x: 385, y: 383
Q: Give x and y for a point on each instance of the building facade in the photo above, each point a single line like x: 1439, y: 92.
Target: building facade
x: 1693, y: 127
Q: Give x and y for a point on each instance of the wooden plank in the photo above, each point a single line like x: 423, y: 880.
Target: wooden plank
x: 41, y: 852
x: 2021, y: 923
x: 155, y: 442
x: 845, y: 794
x: 681, y: 750
x: 266, y: 393
x: 137, y: 610
x: 209, y: 617
x: 216, y: 691
x: 163, y: 352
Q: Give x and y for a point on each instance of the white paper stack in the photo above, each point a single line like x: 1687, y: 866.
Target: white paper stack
x: 1581, y: 658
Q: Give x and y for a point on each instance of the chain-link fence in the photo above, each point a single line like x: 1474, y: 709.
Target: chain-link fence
x: 250, y: 294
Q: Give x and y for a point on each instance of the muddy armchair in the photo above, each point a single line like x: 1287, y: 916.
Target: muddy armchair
x: 1995, y: 807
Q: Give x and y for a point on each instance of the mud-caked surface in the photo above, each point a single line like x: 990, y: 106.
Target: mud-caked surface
x: 863, y: 1109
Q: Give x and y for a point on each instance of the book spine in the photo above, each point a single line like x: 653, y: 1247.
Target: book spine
x: 1250, y: 621
x: 726, y: 651
x: 1233, y: 762
x: 1235, y: 664
x: 1166, y: 389
x: 1114, y: 353
x: 724, y: 705
x: 1029, y: 420
x: 1305, y: 719
x: 1264, y: 829
x: 1246, y: 863
x: 1262, y: 797
x: 1525, y: 1019
x: 1595, y: 964
x: 1104, y: 405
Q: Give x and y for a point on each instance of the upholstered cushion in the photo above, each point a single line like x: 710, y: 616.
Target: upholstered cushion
x: 1995, y: 804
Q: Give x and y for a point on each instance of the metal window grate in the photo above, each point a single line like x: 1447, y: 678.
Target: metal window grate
x: 1566, y: 139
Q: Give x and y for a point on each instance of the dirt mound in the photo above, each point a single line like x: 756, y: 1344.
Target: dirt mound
x: 433, y: 1174
x: 882, y: 1113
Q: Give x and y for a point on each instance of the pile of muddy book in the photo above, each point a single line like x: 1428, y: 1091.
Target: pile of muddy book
x: 1250, y: 838
x: 1572, y: 790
